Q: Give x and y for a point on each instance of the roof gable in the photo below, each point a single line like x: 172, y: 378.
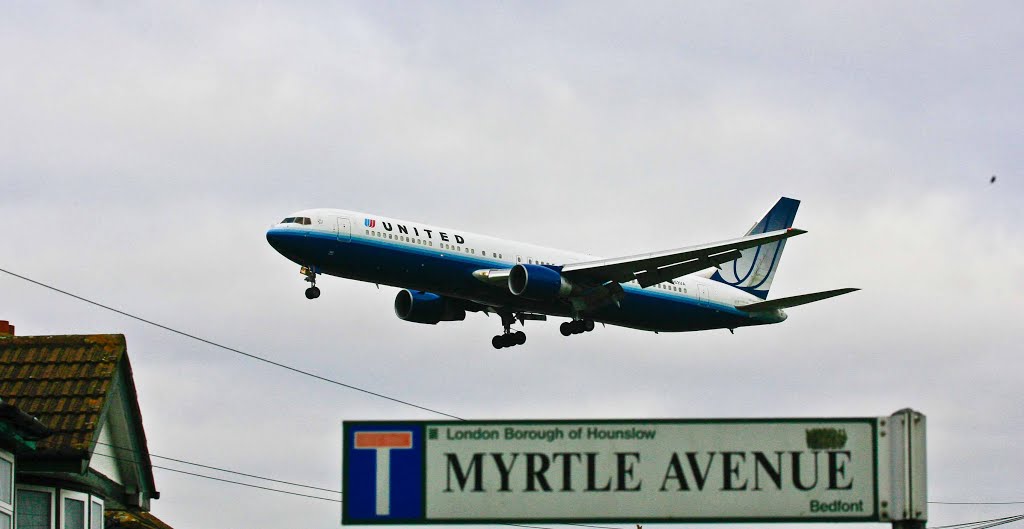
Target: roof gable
x: 76, y: 384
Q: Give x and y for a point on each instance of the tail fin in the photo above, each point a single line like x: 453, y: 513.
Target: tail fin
x: 754, y: 270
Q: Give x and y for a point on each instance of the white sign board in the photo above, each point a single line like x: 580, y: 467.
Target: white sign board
x: 743, y: 470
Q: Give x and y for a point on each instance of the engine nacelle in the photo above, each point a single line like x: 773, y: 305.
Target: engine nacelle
x: 537, y: 282
x: 424, y: 307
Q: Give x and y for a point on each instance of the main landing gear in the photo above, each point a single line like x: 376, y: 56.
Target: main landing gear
x: 508, y: 338
x: 576, y: 327
x: 312, y: 292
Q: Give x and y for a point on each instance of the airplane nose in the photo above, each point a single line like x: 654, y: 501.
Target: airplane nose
x: 274, y: 238
x: 279, y: 240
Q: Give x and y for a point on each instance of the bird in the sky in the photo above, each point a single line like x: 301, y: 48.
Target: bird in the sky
x: 992, y: 180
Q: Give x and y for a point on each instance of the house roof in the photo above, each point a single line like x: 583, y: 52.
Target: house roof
x: 69, y: 383
x: 63, y: 381
x: 19, y: 431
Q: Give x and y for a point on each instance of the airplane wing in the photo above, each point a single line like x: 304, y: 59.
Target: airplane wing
x: 652, y: 268
x: 794, y: 301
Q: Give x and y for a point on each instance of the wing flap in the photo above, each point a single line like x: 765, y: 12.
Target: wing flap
x: 794, y: 301
x: 670, y: 264
x: 670, y: 272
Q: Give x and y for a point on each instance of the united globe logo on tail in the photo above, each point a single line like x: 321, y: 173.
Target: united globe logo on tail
x: 754, y: 270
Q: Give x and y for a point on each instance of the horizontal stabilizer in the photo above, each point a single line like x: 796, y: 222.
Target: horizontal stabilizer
x: 794, y: 301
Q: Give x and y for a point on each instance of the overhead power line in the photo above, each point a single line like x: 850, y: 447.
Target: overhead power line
x: 982, y: 524
x: 228, y: 480
x: 977, y: 502
x: 237, y: 473
x: 247, y: 484
x: 231, y: 349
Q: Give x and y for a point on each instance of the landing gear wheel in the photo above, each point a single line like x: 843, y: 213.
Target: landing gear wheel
x: 312, y: 293
x: 508, y: 338
x: 576, y: 327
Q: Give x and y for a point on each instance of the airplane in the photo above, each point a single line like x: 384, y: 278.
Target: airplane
x: 445, y: 273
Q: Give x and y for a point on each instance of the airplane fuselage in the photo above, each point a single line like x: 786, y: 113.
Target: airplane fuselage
x: 442, y: 261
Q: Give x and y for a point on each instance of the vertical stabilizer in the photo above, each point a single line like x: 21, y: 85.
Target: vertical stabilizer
x: 754, y: 270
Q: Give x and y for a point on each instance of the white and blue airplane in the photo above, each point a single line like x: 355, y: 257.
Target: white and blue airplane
x: 446, y: 272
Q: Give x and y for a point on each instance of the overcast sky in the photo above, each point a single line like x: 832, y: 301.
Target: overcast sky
x: 146, y: 147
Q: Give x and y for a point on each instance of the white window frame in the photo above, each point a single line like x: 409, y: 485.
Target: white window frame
x: 53, y: 504
x: 4, y: 506
x: 77, y: 496
x: 93, y: 500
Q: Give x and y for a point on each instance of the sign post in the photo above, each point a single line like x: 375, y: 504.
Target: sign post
x: 636, y: 471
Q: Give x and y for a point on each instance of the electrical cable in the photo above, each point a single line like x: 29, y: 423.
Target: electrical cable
x: 211, y: 468
x: 247, y: 484
x: 977, y: 502
x: 231, y: 349
x: 223, y: 480
x: 981, y: 523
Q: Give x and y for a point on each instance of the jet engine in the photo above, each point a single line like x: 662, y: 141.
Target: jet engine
x: 424, y: 307
x: 538, y: 283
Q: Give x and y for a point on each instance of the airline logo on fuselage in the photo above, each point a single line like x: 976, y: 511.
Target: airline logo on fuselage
x: 416, y: 232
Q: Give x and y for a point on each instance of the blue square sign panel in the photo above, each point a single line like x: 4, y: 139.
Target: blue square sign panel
x: 384, y: 467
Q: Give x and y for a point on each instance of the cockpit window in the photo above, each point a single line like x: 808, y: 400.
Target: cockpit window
x: 288, y: 220
x: 306, y: 221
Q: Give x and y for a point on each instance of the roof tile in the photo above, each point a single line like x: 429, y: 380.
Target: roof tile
x: 62, y: 380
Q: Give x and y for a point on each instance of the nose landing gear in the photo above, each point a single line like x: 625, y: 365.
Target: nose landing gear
x: 312, y: 292
x: 576, y: 327
x: 508, y: 338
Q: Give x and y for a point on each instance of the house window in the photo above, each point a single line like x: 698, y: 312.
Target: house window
x: 6, y: 490
x: 80, y: 511
x: 6, y: 480
x: 96, y: 514
x: 35, y: 507
x: 73, y: 513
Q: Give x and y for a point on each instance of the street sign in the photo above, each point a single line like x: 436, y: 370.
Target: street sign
x: 633, y: 471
